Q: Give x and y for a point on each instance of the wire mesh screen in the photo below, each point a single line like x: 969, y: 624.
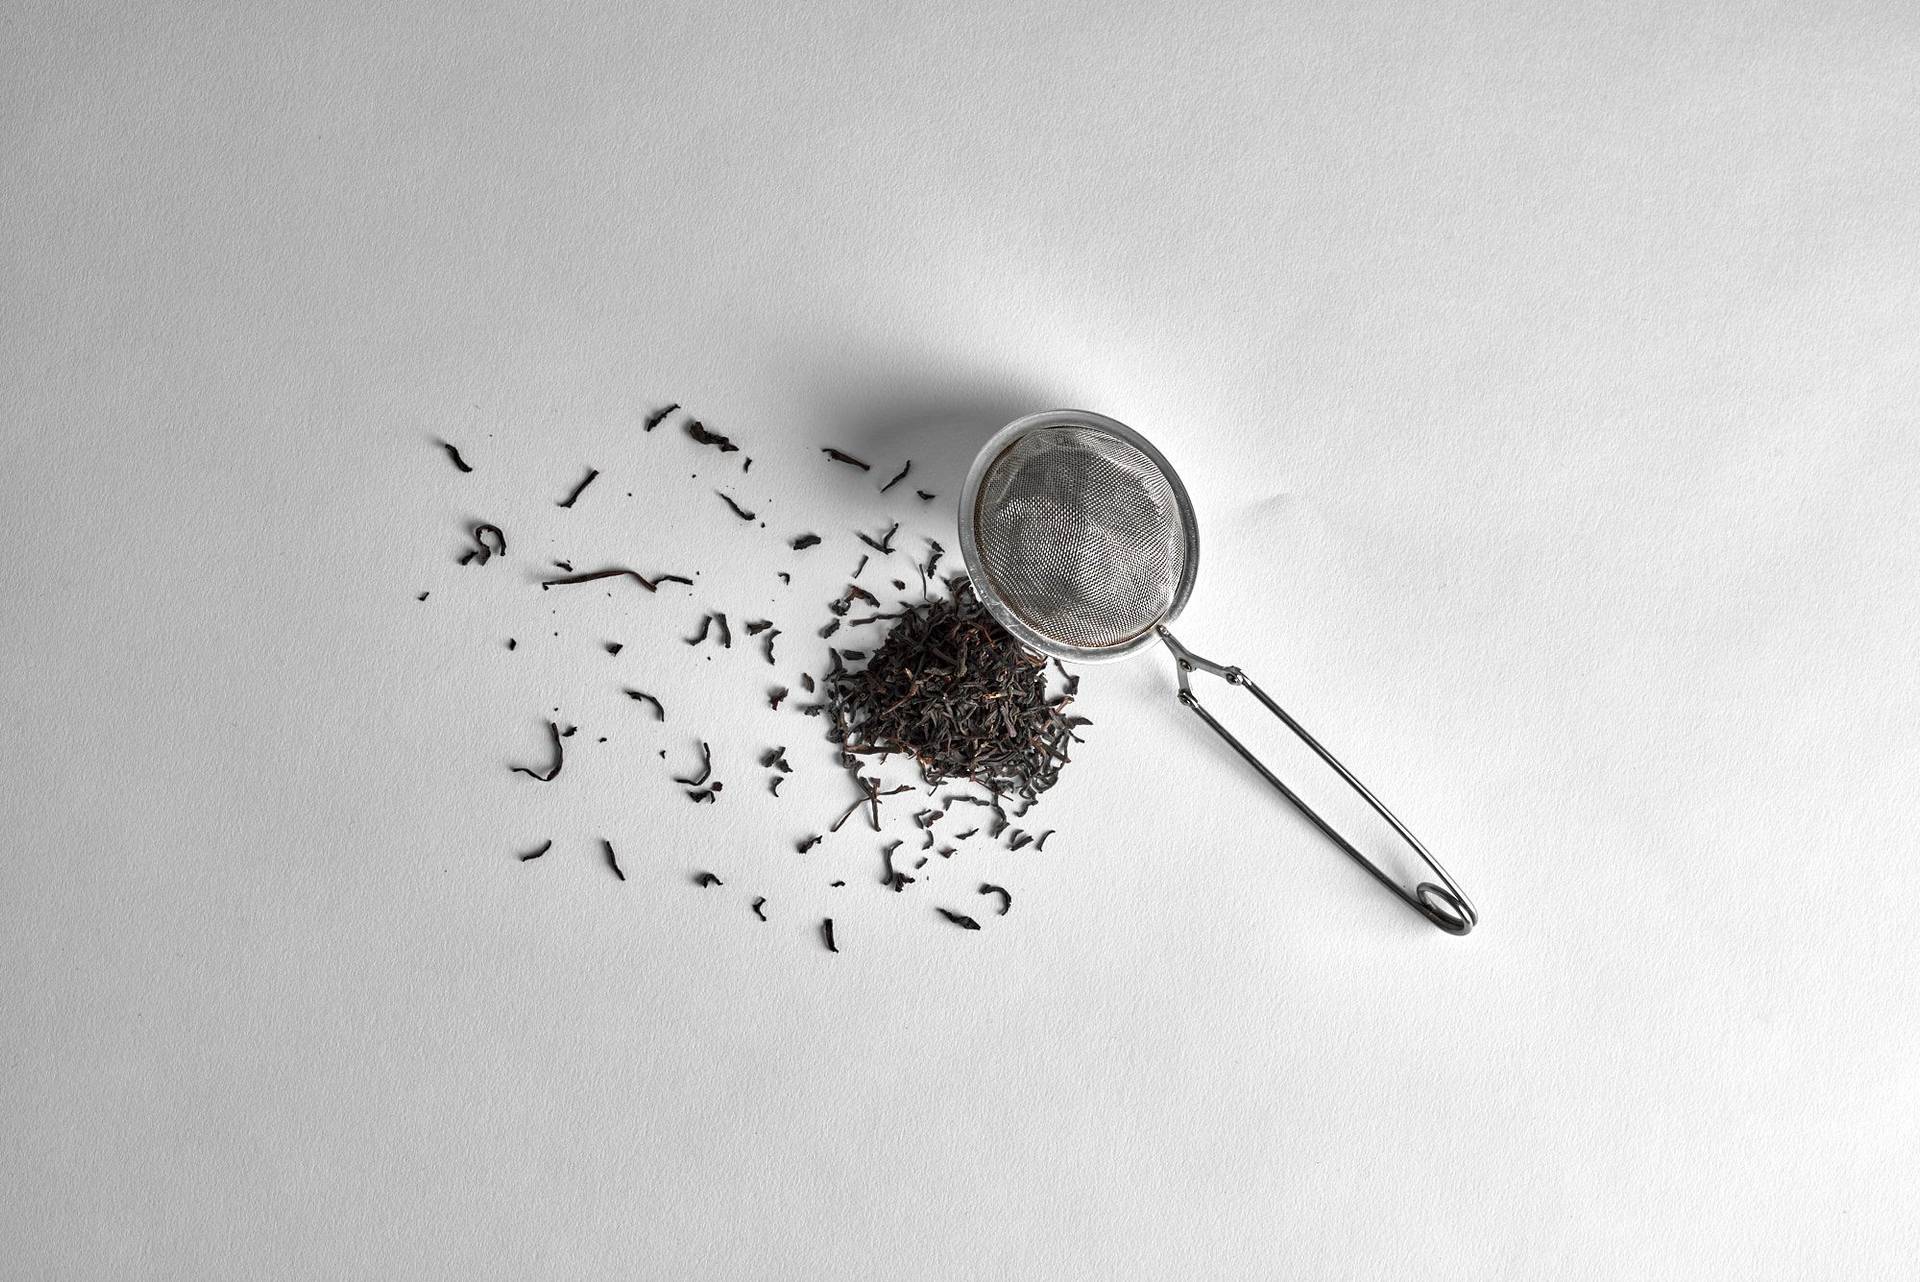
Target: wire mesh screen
x: 1080, y: 535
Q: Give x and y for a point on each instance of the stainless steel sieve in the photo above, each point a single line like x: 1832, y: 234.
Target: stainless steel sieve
x: 1081, y: 541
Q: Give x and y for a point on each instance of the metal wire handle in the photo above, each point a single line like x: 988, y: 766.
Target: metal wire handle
x: 1445, y: 906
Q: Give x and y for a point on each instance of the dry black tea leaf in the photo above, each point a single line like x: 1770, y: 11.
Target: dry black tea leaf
x: 951, y: 689
x: 755, y: 905
x: 454, y: 454
x: 707, y: 879
x: 706, y: 622
x: 1041, y: 843
x: 738, y: 511
x: 617, y: 572
x: 706, y: 767
x: 840, y: 456
x: 703, y: 794
x: 959, y: 919
x: 766, y: 645
x: 898, y: 478
x: 756, y: 626
x: 659, y: 711
x: 726, y: 633
x: 585, y: 481
x: 482, y: 552
x: 889, y: 876
x: 774, y: 697
x: 803, y: 846
x: 421, y: 597
x: 704, y: 437
x: 1006, y: 896
x: 612, y: 861
x: 885, y: 541
x: 804, y: 541
x: 544, y: 847
x: 826, y: 933
x: 926, y: 497
x: 559, y: 759
x: 612, y: 647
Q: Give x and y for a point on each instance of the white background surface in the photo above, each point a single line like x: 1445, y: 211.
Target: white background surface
x: 1545, y: 378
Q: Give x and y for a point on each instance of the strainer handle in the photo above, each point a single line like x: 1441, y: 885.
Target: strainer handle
x: 1443, y: 904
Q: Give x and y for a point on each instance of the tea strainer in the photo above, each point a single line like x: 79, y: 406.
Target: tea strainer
x: 1082, y: 542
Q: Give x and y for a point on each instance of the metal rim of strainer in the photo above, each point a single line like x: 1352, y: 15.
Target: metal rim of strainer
x: 989, y: 593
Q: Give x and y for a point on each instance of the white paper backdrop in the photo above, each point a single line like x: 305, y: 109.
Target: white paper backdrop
x: 1545, y: 378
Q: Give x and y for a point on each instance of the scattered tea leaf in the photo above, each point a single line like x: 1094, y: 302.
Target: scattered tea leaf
x: 840, y: 456
x: 543, y: 848
x: 706, y: 767
x: 453, y: 453
x: 959, y: 919
x: 699, y: 433
x: 1006, y: 896
x: 738, y: 511
x: 585, y: 481
x: 559, y: 759
x: 659, y: 711
x: 804, y: 541
x: 482, y: 551
x: 901, y: 476
x: 612, y: 861
x: 617, y: 572
x: 885, y: 542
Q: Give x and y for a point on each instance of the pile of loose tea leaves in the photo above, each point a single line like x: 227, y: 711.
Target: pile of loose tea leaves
x: 953, y: 690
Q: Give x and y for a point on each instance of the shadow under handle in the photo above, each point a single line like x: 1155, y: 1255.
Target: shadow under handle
x: 1445, y: 905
